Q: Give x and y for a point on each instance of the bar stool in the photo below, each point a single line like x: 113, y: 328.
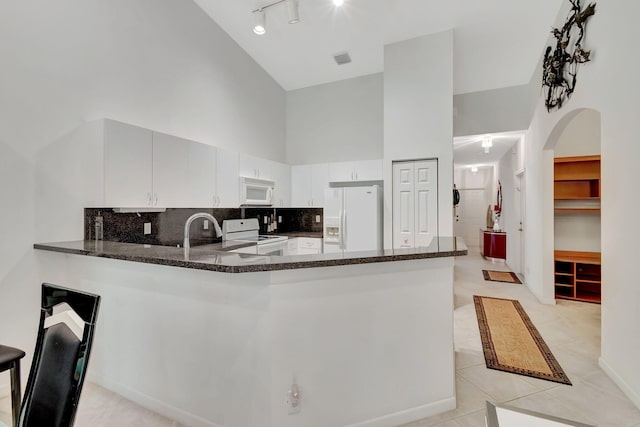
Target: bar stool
x: 10, y: 359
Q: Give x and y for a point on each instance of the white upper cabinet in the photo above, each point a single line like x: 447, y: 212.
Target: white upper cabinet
x: 228, y: 179
x: 183, y: 172
x: 128, y: 165
x: 282, y: 177
x: 365, y: 170
x: 255, y: 167
x: 308, y: 183
x: 151, y: 169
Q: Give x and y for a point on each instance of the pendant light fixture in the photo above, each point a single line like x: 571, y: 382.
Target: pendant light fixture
x: 259, y: 15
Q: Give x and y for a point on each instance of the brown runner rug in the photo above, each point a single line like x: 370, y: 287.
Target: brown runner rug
x: 511, y: 343
x: 500, y: 276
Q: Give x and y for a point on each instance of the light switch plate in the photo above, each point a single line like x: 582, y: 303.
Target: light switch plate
x: 206, y: 224
x: 147, y: 228
x: 280, y: 219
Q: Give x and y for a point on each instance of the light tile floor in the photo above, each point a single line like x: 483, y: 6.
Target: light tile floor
x: 572, y: 332
x: 571, y: 329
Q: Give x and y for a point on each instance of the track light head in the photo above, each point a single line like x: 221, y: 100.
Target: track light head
x: 294, y: 11
x: 259, y: 26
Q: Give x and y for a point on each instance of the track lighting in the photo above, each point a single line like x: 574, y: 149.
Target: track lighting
x: 260, y: 15
x: 294, y: 12
x: 259, y: 22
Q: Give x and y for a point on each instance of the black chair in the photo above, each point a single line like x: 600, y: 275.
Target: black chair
x: 63, y: 345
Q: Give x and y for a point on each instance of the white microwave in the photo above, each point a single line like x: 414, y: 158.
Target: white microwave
x: 256, y: 191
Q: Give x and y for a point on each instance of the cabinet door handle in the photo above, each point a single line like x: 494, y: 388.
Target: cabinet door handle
x: 149, y: 201
x: 155, y: 203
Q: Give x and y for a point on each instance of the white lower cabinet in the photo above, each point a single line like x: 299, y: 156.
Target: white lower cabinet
x: 304, y: 246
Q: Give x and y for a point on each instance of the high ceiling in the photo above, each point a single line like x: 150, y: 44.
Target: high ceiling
x: 497, y: 42
x: 468, y: 151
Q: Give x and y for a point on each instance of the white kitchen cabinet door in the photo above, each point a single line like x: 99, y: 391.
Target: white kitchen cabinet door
x: 183, y: 172
x: 341, y: 171
x: 368, y: 170
x: 301, y: 185
x: 282, y: 179
x: 227, y: 179
x: 309, y: 245
x: 255, y: 167
x: 127, y: 165
x: 363, y: 170
x: 319, y: 181
x: 308, y: 183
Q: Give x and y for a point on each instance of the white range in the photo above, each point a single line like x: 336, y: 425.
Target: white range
x: 248, y: 231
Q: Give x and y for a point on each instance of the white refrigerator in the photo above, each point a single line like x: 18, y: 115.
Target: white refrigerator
x: 353, y: 219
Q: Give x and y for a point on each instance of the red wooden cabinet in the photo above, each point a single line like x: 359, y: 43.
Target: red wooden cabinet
x: 493, y: 244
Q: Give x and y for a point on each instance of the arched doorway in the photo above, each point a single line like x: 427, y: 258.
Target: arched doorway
x: 574, y: 143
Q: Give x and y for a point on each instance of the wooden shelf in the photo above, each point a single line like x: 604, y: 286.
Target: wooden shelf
x: 582, y: 274
x: 577, y: 178
x: 577, y: 210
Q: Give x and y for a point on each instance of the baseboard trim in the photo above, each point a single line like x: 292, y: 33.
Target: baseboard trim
x: 410, y: 415
x: 153, y: 404
x: 620, y: 382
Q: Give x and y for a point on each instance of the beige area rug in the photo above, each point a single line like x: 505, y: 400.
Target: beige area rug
x: 512, y: 343
x: 501, y: 276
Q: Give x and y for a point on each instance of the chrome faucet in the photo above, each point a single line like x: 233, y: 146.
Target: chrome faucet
x: 187, y: 225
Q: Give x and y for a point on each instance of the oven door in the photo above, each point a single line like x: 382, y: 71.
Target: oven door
x: 278, y: 248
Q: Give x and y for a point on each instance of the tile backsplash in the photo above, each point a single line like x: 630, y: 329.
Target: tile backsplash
x: 167, y: 228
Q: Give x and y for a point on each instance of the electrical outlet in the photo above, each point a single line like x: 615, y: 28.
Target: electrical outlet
x: 266, y: 220
x: 293, y: 399
x: 206, y: 224
x: 147, y: 228
x: 279, y: 219
x: 317, y: 218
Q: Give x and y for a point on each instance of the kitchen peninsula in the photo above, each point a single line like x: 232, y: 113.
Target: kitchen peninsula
x: 367, y: 337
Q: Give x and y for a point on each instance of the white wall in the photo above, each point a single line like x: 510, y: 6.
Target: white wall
x: 603, y: 85
x: 491, y: 111
x: 335, y: 122
x: 418, y: 115
x: 162, y: 65
x: 509, y: 218
x: 581, y: 137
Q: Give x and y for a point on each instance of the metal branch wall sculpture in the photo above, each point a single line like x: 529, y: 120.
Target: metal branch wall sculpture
x: 560, y: 66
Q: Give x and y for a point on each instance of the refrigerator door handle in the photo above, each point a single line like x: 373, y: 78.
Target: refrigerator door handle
x: 343, y: 228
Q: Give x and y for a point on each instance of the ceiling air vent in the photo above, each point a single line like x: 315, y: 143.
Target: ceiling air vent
x: 342, y: 58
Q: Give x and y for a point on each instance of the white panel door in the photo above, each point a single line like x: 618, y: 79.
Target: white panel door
x: 403, y: 205
x: 426, y: 201
x: 183, y: 172
x: 127, y: 165
x: 301, y: 185
x: 472, y: 215
x: 227, y: 179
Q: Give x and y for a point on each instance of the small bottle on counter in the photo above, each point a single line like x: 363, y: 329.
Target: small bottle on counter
x: 99, y: 226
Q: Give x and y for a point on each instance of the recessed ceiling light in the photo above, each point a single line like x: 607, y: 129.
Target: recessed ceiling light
x: 338, y: 3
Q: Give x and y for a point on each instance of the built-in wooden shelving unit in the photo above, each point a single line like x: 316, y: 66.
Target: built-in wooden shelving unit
x: 577, y: 275
x: 577, y: 179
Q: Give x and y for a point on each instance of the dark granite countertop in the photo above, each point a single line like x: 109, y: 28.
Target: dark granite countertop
x: 216, y: 257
